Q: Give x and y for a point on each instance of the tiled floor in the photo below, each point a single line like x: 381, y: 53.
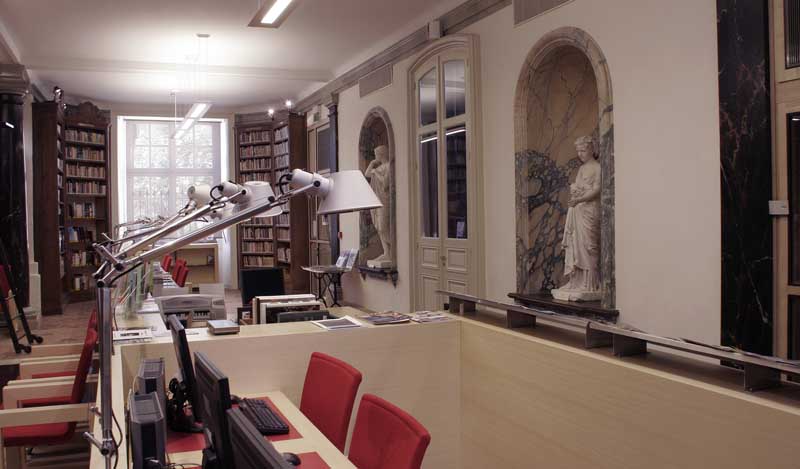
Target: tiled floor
x: 70, y: 327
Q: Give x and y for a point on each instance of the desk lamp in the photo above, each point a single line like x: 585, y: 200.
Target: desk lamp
x: 226, y: 204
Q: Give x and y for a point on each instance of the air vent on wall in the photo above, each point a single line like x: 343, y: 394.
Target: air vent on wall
x: 791, y: 13
x: 380, y: 78
x: 527, y: 9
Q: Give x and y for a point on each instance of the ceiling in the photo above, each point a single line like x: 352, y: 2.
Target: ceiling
x: 116, y: 51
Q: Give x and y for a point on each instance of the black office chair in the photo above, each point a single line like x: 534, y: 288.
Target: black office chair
x: 267, y: 281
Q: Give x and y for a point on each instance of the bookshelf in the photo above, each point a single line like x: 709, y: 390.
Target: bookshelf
x: 86, y: 206
x: 266, y: 149
x: 49, y: 201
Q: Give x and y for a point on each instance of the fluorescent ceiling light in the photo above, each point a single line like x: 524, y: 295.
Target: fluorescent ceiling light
x: 429, y: 139
x: 272, y: 13
x: 198, y: 110
x: 187, y: 124
x: 275, y: 11
x: 456, y: 131
x: 8, y: 124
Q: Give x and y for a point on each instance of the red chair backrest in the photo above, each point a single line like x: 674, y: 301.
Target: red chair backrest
x: 329, y: 394
x: 179, y: 265
x: 5, y: 286
x: 166, y: 262
x: 84, y: 364
x: 180, y: 279
x: 92, y: 320
x: 386, y: 437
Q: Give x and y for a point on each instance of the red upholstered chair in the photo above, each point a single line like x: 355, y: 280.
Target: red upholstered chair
x: 386, y: 437
x: 54, y: 374
x: 56, y: 432
x: 180, y: 278
x: 329, y: 394
x: 166, y: 263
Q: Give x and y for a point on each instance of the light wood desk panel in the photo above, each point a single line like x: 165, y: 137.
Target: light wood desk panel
x: 528, y: 402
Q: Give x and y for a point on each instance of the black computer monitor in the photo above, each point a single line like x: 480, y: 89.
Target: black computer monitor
x: 214, y: 395
x: 250, y: 449
x: 261, y: 282
x: 185, y: 390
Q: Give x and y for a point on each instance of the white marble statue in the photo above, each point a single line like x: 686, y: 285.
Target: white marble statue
x: 582, y: 230
x: 379, y: 174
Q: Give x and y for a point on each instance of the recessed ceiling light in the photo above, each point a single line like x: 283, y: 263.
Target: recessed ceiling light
x: 272, y: 13
x: 288, y: 104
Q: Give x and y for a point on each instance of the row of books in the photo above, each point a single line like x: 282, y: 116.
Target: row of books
x: 86, y: 187
x: 284, y: 254
x: 82, y: 210
x: 284, y: 234
x: 266, y: 221
x: 86, y: 171
x: 255, y: 151
x: 260, y: 247
x: 282, y: 133
x: 75, y: 153
x: 281, y: 148
x: 80, y: 282
x: 254, y: 136
x: 264, y: 177
x: 252, y: 232
x: 258, y: 261
x: 283, y: 219
x: 263, y: 163
x: 85, y: 136
x: 78, y: 234
x: 83, y: 259
x: 282, y: 161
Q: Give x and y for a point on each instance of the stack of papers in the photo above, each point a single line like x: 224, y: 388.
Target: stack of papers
x: 429, y: 316
x: 334, y: 324
x: 387, y: 317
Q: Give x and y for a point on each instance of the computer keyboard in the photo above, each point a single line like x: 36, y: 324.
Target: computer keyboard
x: 265, y: 420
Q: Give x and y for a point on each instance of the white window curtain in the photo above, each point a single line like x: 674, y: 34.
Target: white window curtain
x: 159, y: 169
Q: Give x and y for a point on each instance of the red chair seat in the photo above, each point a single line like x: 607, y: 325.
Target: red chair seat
x: 45, y: 401
x: 53, y: 374
x: 34, y: 435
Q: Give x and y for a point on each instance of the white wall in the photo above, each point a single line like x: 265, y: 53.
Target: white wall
x: 663, y: 62
x: 377, y: 294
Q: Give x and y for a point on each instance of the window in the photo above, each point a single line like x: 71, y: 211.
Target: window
x: 159, y: 169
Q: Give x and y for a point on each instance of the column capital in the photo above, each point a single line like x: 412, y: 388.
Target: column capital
x: 14, y: 79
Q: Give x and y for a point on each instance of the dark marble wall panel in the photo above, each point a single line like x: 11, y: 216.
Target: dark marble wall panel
x: 13, y: 227
x: 746, y: 171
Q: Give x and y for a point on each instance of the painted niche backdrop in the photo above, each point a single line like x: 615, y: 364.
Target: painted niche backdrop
x: 378, y: 233
x: 563, y: 93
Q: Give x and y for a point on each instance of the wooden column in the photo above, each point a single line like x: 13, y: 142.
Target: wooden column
x: 13, y: 232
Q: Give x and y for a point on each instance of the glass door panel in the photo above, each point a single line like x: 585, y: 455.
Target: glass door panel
x: 427, y: 98
x: 429, y: 184
x: 456, y: 146
x: 455, y: 97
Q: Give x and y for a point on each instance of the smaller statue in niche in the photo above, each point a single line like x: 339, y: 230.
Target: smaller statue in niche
x: 379, y: 174
x: 581, y: 241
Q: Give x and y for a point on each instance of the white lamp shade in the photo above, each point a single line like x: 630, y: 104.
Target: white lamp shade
x: 349, y: 192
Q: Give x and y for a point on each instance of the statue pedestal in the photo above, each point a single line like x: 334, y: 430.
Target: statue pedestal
x: 586, y: 309
x: 377, y: 264
x: 571, y: 295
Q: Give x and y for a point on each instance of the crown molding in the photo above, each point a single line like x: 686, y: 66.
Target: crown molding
x: 14, y: 79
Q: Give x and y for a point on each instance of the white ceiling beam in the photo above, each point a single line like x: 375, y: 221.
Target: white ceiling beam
x: 122, y: 66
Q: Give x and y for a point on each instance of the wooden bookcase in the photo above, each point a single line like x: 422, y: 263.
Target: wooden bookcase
x: 48, y: 201
x: 87, y: 207
x: 266, y: 149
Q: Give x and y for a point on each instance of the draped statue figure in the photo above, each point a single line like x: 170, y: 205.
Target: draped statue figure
x: 581, y: 241
x: 379, y: 174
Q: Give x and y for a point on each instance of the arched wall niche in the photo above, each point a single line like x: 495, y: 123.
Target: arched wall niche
x: 376, y: 130
x: 563, y: 92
